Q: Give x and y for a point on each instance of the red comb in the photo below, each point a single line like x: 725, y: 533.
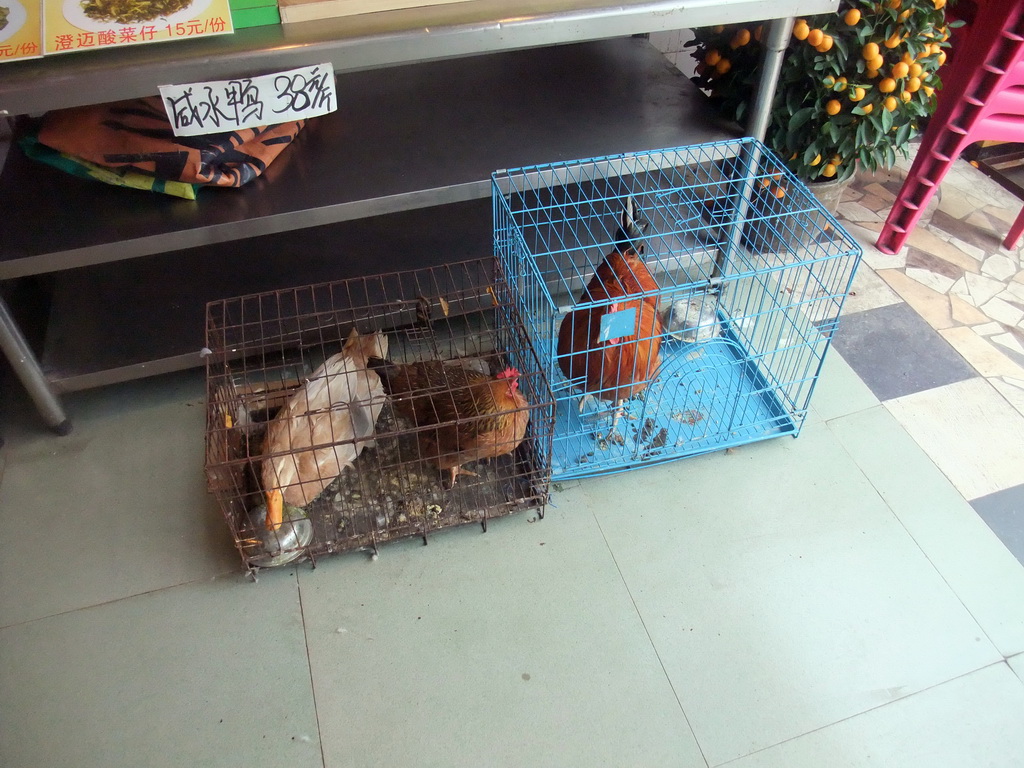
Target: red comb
x: 508, y: 373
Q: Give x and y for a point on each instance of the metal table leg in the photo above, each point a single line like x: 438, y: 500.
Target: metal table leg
x: 25, y: 365
x: 775, y: 43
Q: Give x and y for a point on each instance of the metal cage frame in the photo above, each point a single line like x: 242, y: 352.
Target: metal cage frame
x: 751, y: 276
x: 263, y: 346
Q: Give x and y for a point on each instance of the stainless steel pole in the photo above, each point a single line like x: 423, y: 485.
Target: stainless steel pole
x: 25, y: 365
x: 776, y: 42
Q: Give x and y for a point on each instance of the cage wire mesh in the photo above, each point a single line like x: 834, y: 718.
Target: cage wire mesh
x: 713, y: 336
x: 359, y: 431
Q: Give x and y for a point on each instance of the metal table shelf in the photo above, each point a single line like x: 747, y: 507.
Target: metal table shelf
x: 408, y: 137
x: 369, y: 41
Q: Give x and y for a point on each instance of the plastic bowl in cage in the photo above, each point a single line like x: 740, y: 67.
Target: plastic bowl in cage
x: 287, y: 543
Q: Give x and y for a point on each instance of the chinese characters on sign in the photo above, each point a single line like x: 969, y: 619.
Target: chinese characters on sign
x: 225, y: 105
x: 82, y: 25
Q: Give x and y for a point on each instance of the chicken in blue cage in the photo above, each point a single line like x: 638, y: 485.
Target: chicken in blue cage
x: 692, y: 320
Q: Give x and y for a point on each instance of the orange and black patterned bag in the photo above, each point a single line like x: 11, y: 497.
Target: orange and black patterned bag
x: 130, y: 143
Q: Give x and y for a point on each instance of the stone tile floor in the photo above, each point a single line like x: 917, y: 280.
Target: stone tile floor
x: 937, y: 332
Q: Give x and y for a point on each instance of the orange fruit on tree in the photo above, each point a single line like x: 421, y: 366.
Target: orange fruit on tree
x: 869, y: 51
x: 906, y: 95
x: 894, y: 4
x: 825, y: 44
x: 836, y: 160
x: 916, y: 70
x: 723, y: 66
x: 801, y: 30
x: 828, y: 171
x: 780, y: 192
x: 815, y: 161
x: 888, y: 85
x: 871, y: 73
x: 928, y: 90
x: 876, y: 63
x: 718, y: 29
x: 900, y: 69
x: 890, y: 103
x: 857, y: 94
x: 907, y: 57
x: 833, y: 107
x: 852, y: 17
x: 815, y: 36
x: 905, y: 15
x: 741, y: 38
x: 841, y: 84
x: 712, y: 57
x: 942, y: 58
x: 867, y: 108
x: 940, y: 4
x: 913, y: 85
x: 892, y: 42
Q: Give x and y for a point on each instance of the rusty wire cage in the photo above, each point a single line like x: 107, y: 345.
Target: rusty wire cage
x: 721, y: 346
x: 380, y: 453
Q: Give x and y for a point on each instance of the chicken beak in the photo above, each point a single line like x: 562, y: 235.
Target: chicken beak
x: 275, y: 510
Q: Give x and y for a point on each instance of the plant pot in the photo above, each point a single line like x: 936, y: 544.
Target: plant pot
x: 830, y: 193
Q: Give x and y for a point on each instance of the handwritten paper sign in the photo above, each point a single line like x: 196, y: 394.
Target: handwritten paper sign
x: 249, y: 102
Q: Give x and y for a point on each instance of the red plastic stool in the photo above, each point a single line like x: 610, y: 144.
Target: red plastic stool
x: 983, y: 100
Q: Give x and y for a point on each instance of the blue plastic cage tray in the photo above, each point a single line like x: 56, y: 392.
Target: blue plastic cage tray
x: 749, y: 276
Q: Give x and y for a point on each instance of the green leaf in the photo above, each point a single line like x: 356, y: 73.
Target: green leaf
x: 800, y: 117
x: 903, y: 134
x: 887, y: 120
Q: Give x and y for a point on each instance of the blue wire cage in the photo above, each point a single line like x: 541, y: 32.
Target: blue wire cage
x: 749, y: 276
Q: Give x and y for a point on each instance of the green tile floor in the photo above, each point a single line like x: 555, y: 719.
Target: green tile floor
x: 830, y: 600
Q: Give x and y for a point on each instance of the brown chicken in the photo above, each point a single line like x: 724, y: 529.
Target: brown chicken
x: 615, y: 369
x: 477, y: 416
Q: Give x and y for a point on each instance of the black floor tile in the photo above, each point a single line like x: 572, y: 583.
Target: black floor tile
x: 897, y: 353
x: 1004, y: 513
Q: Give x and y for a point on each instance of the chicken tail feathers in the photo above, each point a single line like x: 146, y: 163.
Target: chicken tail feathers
x: 383, y: 368
x: 362, y: 347
x: 632, y: 224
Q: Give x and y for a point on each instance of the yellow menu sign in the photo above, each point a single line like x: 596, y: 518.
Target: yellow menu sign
x: 79, y: 25
x: 21, y: 30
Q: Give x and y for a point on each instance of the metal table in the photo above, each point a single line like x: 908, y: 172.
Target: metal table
x: 539, y: 92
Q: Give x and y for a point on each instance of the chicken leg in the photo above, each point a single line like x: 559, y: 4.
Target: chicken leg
x: 613, y: 435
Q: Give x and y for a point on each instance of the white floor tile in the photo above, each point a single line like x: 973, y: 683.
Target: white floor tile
x: 1017, y: 665
x: 868, y: 292
x: 209, y: 674
x: 986, y: 577
x: 517, y: 647
x: 972, y: 721
x: 781, y: 593
x: 117, y: 508
x: 974, y: 436
x: 839, y: 390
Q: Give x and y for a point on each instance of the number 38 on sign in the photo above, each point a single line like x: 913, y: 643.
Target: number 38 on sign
x: 248, y: 102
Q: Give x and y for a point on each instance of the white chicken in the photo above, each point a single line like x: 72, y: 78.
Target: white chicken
x: 323, y: 427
